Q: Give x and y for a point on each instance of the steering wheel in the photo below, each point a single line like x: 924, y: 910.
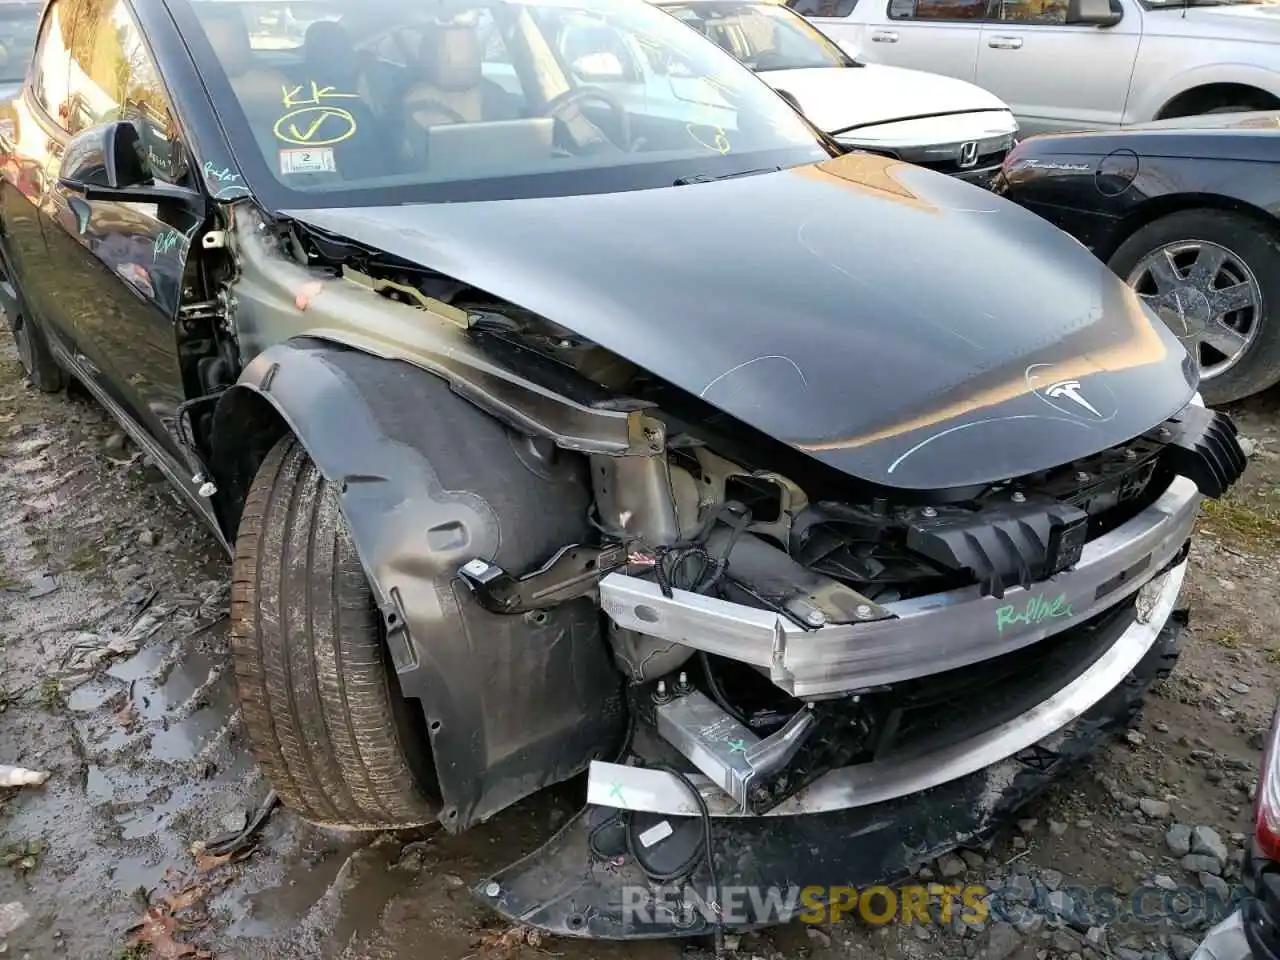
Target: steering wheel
x: 562, y: 108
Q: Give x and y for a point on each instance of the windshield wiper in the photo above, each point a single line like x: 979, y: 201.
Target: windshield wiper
x: 709, y: 178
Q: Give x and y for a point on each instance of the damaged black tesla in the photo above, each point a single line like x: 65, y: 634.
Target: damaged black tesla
x: 818, y: 507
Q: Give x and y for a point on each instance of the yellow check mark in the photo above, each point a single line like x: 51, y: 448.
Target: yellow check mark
x: 311, y: 130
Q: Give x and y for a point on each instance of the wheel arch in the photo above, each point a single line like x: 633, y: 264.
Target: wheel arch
x: 511, y: 704
x: 1159, y: 207
x: 246, y: 425
x: 1204, y: 96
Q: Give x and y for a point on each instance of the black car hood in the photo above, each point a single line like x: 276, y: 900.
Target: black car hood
x: 899, y: 325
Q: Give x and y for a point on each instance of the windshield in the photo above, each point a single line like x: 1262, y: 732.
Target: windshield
x: 764, y: 36
x: 18, y: 24
x: 357, y: 102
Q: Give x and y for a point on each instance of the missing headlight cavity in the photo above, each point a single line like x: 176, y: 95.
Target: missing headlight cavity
x: 760, y: 495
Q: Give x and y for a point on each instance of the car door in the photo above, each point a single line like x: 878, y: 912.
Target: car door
x: 28, y: 139
x: 121, y: 264
x: 1058, y: 75
x: 940, y: 36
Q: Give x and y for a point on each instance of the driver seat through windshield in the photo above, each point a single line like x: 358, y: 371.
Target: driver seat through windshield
x: 451, y: 86
x: 257, y: 88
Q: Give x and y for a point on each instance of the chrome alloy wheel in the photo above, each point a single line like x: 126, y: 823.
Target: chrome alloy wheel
x: 1207, y: 296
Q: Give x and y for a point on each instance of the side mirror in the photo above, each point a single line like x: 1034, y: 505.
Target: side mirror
x: 599, y: 67
x: 849, y: 47
x: 107, y: 162
x: 1099, y: 13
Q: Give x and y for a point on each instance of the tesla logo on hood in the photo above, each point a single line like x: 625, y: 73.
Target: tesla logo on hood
x: 1095, y: 403
x: 1070, y: 389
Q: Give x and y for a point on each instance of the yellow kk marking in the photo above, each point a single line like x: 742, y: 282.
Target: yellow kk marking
x: 294, y: 98
x: 719, y: 141
x: 303, y: 126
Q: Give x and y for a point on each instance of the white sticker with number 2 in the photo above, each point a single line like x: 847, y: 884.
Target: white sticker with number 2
x: 319, y: 160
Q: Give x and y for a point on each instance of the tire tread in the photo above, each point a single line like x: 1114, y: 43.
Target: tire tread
x: 311, y: 670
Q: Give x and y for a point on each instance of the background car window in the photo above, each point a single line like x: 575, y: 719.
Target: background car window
x: 823, y: 8
x: 1051, y: 12
x: 596, y: 51
x: 765, y: 36
x: 52, y: 63
x: 1032, y: 11
x: 937, y: 9
x: 113, y: 77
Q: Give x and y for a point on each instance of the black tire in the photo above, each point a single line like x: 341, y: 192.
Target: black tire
x: 36, y: 357
x: 1235, y: 108
x: 1152, y: 670
x: 321, y: 703
x: 1257, y: 244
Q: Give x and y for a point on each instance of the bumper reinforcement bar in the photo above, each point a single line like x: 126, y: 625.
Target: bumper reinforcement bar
x: 925, y: 635
x: 654, y: 791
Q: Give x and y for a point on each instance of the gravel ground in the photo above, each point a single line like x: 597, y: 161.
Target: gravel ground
x: 114, y: 678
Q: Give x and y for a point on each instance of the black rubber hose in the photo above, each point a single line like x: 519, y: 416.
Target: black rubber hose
x: 705, y: 815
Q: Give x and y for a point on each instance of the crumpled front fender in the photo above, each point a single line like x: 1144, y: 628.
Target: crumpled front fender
x: 426, y: 482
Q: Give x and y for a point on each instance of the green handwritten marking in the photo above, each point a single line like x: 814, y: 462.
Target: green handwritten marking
x: 616, y: 792
x: 737, y: 746
x: 164, y: 243
x: 1037, y: 609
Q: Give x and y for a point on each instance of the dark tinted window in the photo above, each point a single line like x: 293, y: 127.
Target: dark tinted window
x: 1049, y: 12
x: 822, y: 8
x: 1032, y: 11
x: 113, y: 77
x: 49, y: 78
x: 937, y: 9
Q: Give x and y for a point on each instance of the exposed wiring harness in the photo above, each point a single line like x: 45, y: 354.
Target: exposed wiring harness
x: 684, y: 565
x: 672, y: 568
x: 690, y: 864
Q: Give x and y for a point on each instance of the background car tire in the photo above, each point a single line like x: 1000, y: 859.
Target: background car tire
x: 36, y: 358
x: 1257, y: 244
x: 321, y: 703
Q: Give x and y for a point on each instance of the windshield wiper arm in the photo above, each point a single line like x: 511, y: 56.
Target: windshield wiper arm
x: 709, y: 178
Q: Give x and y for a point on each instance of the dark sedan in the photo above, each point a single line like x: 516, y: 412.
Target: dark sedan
x: 1188, y: 212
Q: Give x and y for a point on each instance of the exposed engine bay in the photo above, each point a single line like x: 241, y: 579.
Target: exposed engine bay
x: 691, y: 523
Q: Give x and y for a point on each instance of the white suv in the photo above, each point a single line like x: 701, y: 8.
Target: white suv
x: 1076, y: 64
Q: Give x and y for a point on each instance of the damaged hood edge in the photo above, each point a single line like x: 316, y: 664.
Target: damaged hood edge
x: 898, y: 325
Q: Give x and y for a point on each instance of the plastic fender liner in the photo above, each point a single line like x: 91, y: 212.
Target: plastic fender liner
x: 427, y: 481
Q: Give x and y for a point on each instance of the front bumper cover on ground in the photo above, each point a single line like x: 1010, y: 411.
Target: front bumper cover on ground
x: 862, y: 833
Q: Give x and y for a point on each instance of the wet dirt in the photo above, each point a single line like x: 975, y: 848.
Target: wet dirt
x: 114, y: 678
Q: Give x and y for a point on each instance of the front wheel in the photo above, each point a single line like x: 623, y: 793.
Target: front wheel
x: 36, y: 357
x: 321, y: 703
x: 1213, y: 277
